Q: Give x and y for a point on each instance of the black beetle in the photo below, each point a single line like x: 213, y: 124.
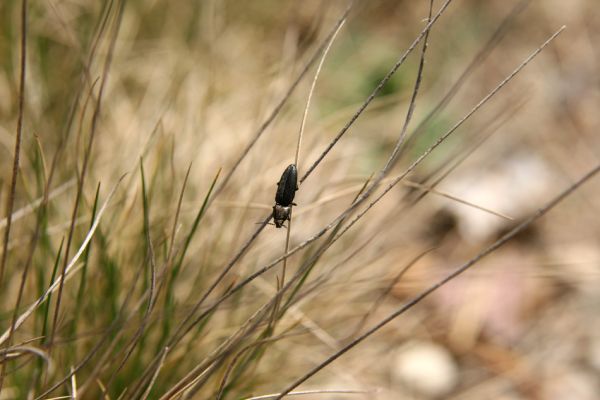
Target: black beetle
x: 284, y: 197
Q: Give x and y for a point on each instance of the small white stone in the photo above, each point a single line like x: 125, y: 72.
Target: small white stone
x: 425, y: 367
x: 515, y: 187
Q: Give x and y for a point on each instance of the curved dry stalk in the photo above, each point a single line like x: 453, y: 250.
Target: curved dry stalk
x: 424, y: 33
x: 312, y: 88
x: 17, y: 351
x: 31, y: 207
x: 298, y: 145
x: 417, y: 299
x: 283, y: 100
x: 70, y: 267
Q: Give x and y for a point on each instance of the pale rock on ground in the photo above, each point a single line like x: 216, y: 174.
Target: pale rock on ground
x: 426, y: 368
x: 515, y: 187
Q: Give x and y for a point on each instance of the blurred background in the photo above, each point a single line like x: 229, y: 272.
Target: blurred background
x: 191, y: 83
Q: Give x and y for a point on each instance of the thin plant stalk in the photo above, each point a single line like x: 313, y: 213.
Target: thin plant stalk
x: 363, y: 196
x: 382, y: 83
x: 283, y: 100
x: 464, y: 267
x: 184, y: 327
x: 70, y: 267
x: 15, y: 169
x: 301, y: 133
x: 82, y: 176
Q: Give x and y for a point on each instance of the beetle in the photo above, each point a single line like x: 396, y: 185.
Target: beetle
x: 284, y: 197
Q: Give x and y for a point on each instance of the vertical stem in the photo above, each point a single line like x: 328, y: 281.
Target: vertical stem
x: 15, y: 169
x: 287, y: 247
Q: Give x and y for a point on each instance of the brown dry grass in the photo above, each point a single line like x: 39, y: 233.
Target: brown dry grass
x: 190, y: 83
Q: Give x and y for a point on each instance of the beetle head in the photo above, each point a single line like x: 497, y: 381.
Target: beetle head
x: 281, y: 214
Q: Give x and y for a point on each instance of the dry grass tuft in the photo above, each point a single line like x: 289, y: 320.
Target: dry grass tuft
x: 141, y: 144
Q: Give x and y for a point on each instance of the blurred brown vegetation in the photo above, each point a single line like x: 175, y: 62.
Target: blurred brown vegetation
x: 191, y: 82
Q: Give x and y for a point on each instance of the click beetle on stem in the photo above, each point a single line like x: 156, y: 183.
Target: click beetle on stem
x: 284, y: 197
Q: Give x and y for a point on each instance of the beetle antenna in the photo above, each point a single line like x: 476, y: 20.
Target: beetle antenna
x: 268, y: 223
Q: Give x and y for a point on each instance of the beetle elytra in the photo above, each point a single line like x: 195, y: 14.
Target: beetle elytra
x: 284, y: 197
